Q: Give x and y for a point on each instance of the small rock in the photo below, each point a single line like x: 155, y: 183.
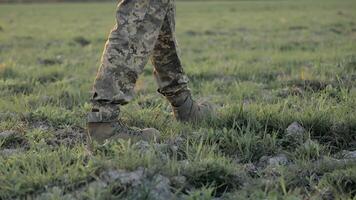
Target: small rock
x: 278, y: 160
x: 327, y: 194
x: 54, y: 193
x: 179, y: 181
x: 125, y: 178
x: 349, y: 154
x: 142, y: 146
x: 97, y: 184
x: 139, y: 184
x: 267, y: 161
x: 251, y: 169
x: 163, y: 150
x: 7, y: 134
x: 9, y: 152
x: 161, y: 190
x: 295, y: 132
x: 295, y: 128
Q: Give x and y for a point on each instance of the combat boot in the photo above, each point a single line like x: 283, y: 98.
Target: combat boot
x: 185, y: 109
x: 100, y: 130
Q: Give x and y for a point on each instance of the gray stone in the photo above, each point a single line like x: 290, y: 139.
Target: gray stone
x: 142, y: 146
x: 295, y: 132
x: 295, y: 128
x: 163, y: 151
x: 9, y: 152
x: 55, y: 193
x: 179, y: 181
x: 159, y: 187
x: 97, y: 185
x: 7, y: 134
x: 263, y: 162
x: 267, y: 161
x: 349, y: 154
x: 125, y: 178
x: 161, y: 190
x: 278, y: 160
x: 251, y: 168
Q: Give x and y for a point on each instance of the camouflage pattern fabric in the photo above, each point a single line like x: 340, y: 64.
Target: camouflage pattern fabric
x: 144, y: 29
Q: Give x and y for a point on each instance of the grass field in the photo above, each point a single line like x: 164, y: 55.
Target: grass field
x: 267, y: 64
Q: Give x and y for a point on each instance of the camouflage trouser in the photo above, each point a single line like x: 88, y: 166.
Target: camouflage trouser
x: 144, y: 29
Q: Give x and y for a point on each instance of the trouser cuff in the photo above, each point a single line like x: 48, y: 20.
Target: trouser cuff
x: 103, y: 113
x: 177, y: 98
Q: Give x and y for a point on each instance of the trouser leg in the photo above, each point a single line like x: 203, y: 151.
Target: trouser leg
x: 126, y: 52
x: 168, y: 69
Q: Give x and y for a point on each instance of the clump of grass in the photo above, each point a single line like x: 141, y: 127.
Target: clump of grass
x: 244, y: 144
x: 12, y: 86
x: 57, y: 117
x: 257, y: 193
x: 348, y: 63
x: 207, y: 168
x: 340, y: 181
x: 204, y: 193
x: 124, y: 155
x: 306, y: 175
x: 309, y: 150
x: 15, y: 140
x: 49, y: 75
x: 38, y: 135
x: 7, y: 72
x: 31, y: 172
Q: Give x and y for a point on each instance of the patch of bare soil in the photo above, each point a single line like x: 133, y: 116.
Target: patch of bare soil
x: 81, y: 41
x: 68, y: 136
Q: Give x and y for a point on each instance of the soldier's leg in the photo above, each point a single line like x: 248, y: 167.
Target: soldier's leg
x: 126, y: 52
x: 168, y: 69
x: 172, y: 81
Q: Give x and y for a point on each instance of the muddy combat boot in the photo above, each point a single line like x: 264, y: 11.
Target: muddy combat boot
x: 100, y: 131
x: 185, y: 109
